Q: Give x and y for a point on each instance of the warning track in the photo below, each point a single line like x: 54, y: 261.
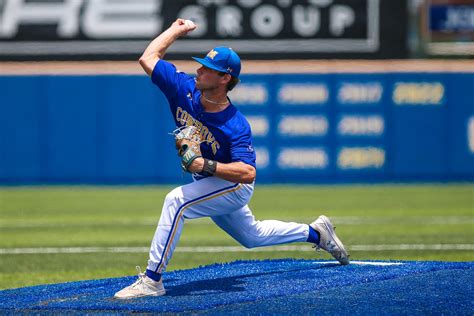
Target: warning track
x: 276, y: 287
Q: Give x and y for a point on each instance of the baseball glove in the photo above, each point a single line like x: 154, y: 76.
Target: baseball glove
x: 188, y: 143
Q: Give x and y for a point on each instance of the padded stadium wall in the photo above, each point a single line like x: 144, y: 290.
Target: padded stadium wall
x: 313, y: 122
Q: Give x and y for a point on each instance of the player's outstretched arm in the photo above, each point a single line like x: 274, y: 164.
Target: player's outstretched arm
x: 237, y: 172
x: 157, y: 48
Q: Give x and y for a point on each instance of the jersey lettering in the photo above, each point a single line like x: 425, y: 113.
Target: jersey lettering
x: 185, y: 119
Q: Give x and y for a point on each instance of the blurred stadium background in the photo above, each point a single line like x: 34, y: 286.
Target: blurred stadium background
x: 361, y: 109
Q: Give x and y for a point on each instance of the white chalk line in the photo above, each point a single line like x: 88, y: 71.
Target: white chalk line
x: 364, y: 263
x: 337, y: 220
x: 217, y: 249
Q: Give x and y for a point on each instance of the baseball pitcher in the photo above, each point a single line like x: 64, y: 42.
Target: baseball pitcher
x: 214, y: 141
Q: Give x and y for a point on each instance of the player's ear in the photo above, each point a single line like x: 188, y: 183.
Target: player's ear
x: 226, y: 78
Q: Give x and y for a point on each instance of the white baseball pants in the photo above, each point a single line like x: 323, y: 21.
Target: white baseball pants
x: 226, y: 203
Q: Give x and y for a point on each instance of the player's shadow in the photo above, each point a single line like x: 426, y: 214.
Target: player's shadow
x: 227, y: 284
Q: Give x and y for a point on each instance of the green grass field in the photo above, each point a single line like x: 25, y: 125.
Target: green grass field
x: 365, y: 216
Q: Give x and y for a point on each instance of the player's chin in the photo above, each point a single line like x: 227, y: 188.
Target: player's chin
x: 199, y: 83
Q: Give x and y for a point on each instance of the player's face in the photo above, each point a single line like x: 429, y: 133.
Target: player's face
x: 208, y: 79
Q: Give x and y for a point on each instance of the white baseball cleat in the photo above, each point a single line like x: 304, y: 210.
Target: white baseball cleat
x: 144, y: 286
x: 328, y: 239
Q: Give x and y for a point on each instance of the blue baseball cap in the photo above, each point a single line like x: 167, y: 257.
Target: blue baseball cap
x: 222, y: 59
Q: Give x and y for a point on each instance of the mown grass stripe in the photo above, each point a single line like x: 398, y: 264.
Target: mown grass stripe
x: 217, y: 249
x: 338, y: 220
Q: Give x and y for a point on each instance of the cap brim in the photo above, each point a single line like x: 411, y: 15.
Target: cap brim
x: 207, y: 64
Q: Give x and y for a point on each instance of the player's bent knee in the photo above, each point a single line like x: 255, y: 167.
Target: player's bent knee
x: 249, y: 244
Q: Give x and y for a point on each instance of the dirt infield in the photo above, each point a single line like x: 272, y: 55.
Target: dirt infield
x: 248, y: 67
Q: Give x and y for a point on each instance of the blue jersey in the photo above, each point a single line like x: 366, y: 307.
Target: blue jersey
x: 226, y: 134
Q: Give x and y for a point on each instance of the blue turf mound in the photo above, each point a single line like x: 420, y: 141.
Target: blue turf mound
x: 276, y: 287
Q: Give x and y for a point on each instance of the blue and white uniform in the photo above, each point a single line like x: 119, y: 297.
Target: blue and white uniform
x: 227, y: 136
x: 228, y: 139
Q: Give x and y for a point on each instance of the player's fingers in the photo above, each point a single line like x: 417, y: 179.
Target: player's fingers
x: 190, y: 26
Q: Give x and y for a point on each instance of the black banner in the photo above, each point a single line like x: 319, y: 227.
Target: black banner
x: 256, y: 29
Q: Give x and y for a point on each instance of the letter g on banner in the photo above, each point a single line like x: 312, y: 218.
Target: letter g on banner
x: 197, y: 14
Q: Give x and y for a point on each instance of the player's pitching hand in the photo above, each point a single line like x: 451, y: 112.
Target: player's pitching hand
x: 184, y: 26
x: 197, y: 165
